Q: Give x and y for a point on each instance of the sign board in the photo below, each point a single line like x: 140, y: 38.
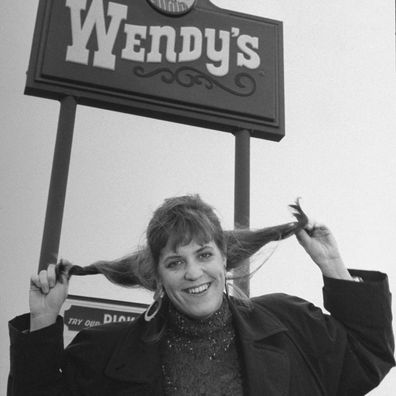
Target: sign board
x: 186, y: 61
x: 81, y: 312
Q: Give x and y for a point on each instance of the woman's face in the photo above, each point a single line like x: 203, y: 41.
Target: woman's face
x: 193, y: 277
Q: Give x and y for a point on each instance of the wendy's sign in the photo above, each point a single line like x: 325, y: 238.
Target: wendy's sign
x: 180, y: 60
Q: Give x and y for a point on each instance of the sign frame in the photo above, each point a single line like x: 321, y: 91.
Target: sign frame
x: 39, y: 84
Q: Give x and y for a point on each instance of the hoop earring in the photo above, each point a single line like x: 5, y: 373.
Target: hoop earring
x: 155, y: 305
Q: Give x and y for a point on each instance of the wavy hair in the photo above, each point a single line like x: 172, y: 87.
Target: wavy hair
x: 178, y: 221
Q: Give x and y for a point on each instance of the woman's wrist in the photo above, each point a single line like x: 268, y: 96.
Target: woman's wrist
x: 38, y: 322
x: 335, y: 269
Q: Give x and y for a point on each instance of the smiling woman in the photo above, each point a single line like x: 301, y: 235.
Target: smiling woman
x: 198, y: 339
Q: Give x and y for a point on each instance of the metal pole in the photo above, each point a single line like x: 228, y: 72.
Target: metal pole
x: 58, y: 183
x: 242, y: 194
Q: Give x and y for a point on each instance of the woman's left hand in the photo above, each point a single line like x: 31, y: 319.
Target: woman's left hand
x: 320, y: 244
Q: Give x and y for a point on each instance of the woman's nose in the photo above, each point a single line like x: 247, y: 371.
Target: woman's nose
x: 193, y: 271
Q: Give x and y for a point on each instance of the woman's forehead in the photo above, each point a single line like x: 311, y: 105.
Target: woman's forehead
x: 189, y: 246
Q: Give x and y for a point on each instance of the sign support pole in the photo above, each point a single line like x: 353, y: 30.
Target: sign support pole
x: 58, y: 183
x: 242, y: 194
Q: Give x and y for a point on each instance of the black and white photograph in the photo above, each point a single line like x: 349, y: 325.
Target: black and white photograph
x: 197, y: 197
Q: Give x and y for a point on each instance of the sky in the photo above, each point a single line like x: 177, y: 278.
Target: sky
x: 338, y: 155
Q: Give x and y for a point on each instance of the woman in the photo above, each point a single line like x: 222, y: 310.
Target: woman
x: 195, y: 339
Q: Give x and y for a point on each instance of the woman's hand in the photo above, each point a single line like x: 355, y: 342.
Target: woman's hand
x: 46, y: 296
x: 319, y: 243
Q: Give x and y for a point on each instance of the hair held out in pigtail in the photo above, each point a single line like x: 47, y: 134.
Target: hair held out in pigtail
x: 129, y: 271
x: 181, y: 220
x: 244, y: 243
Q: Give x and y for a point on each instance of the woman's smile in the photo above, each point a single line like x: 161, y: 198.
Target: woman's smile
x: 198, y: 290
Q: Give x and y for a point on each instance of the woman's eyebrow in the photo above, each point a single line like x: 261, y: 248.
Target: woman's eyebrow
x: 203, y: 247
x: 171, y: 256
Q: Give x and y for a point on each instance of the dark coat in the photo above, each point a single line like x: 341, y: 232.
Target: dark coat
x: 287, y: 347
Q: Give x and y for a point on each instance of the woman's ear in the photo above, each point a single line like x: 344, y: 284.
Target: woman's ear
x: 158, y: 282
x: 160, y: 291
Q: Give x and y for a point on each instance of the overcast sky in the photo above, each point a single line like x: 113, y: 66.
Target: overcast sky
x: 338, y: 154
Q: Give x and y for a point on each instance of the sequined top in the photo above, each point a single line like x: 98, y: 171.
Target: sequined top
x: 199, y: 357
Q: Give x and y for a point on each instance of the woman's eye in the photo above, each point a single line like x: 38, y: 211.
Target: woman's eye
x: 206, y: 255
x: 174, y: 264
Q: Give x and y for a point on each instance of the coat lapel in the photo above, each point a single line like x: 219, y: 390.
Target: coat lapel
x: 266, y: 366
x: 135, y: 360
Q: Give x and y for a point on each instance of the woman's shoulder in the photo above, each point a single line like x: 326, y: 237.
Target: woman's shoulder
x: 278, y: 312
x: 283, y: 307
x: 277, y: 299
x: 286, y: 307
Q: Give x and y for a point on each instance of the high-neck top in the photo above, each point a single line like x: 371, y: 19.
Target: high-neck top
x: 199, y: 357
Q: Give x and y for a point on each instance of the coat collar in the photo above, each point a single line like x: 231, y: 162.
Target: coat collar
x: 254, y: 322
x: 266, y: 367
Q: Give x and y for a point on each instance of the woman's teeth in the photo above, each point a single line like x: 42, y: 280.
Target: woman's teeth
x: 199, y: 289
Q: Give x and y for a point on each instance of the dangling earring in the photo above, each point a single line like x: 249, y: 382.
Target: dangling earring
x: 226, y: 284
x: 227, y: 290
x: 155, y: 305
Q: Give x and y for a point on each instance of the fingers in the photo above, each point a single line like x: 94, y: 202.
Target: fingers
x: 308, y: 232
x: 62, y: 271
x: 319, y: 230
x: 313, y: 230
x: 35, y: 282
x: 44, y: 281
x: 51, y: 276
x: 303, y: 236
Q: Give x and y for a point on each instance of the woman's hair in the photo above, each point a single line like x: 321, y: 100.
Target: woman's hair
x: 178, y: 221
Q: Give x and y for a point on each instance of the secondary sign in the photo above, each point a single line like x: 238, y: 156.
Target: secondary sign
x: 81, y: 312
x: 184, y: 61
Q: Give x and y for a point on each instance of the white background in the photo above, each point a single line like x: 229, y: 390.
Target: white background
x: 338, y: 154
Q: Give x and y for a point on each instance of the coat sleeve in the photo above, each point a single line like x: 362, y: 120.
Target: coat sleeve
x: 351, y: 350
x: 35, y: 359
x: 364, y: 310
x: 39, y: 365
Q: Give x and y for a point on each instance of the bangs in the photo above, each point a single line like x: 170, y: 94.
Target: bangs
x: 186, y: 231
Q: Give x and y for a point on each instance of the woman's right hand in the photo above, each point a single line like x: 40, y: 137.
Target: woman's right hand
x: 46, y: 296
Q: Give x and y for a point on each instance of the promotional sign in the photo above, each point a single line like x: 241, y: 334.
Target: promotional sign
x: 81, y: 312
x: 180, y: 60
